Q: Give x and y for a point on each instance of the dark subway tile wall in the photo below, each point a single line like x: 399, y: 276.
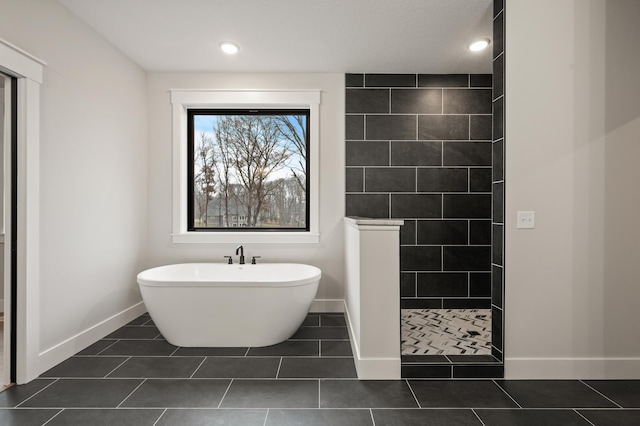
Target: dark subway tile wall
x: 416, y: 101
x: 416, y: 153
x: 443, y: 80
x: 443, y: 127
x: 498, y: 158
x: 419, y: 148
x: 367, y: 101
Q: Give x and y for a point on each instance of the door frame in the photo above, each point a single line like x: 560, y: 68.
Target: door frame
x: 24, y: 236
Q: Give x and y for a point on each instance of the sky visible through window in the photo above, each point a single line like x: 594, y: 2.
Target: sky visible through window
x: 204, y: 124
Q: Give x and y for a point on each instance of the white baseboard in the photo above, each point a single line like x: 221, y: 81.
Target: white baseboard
x: 369, y: 368
x: 572, y: 368
x: 64, y: 350
x: 327, y: 305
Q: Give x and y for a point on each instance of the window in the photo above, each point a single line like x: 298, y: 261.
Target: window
x: 210, y: 206
x: 247, y: 168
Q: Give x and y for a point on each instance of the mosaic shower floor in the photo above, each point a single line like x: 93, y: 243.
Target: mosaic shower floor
x: 446, y: 332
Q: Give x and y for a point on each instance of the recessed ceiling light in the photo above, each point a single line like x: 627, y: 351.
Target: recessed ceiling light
x: 229, y: 48
x: 479, y: 44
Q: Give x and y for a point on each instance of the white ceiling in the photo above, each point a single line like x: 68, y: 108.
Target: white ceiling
x: 393, y: 36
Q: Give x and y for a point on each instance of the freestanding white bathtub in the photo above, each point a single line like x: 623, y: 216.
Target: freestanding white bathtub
x: 221, y: 305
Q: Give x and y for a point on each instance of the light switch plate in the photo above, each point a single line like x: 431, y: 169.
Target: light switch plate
x: 526, y: 220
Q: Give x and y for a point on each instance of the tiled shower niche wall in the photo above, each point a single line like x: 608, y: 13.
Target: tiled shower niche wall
x: 419, y: 148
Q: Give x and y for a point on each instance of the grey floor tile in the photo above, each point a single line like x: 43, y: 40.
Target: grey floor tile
x: 140, y: 347
x: 312, y: 320
x: 335, y: 348
x: 141, y: 320
x: 554, y: 394
x: 332, y: 320
x: 97, y: 347
x: 19, y: 393
x: 210, y: 351
x: 22, y: 417
x: 612, y: 417
x: 317, y: 368
x: 83, y: 366
x: 272, y: 394
x: 366, y: 394
x: 158, y: 367
x: 412, y: 417
x: 321, y: 333
x: 202, y: 417
x: 460, y: 394
x: 134, y: 332
x: 106, y: 416
x: 229, y: 368
x: 625, y: 393
x: 178, y: 393
x: 319, y: 417
x: 288, y: 348
x: 69, y: 393
x: 525, y: 417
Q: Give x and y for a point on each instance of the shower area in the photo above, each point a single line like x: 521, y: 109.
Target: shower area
x: 428, y: 149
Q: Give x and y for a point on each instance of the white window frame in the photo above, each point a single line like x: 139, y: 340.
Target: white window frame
x: 182, y: 100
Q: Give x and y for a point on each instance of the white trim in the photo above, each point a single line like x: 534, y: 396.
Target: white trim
x: 327, y: 305
x: 369, y: 368
x: 18, y: 63
x: 64, y: 350
x: 572, y: 368
x: 181, y: 100
x: 29, y: 71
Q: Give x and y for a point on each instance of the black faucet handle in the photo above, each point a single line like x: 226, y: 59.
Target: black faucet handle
x: 230, y: 262
x: 253, y: 259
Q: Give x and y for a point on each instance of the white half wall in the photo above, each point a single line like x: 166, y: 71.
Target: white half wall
x: 328, y: 254
x: 93, y: 174
x: 572, y: 146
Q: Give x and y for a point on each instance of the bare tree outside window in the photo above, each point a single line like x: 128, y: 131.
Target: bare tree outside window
x: 248, y: 169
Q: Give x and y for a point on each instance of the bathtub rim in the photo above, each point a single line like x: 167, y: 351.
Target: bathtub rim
x: 186, y: 283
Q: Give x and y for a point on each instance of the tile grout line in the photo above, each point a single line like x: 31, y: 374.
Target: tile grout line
x: 580, y: 414
x: 279, y: 365
x: 54, y: 416
x: 131, y: 393
x: 225, y: 394
x: 506, y: 393
x: 100, y: 352
x: 319, y: 398
x: 477, y: 416
x: 266, y: 416
x: 372, y: 419
x: 176, y: 350
x: 601, y: 394
x: 159, y: 417
x: 413, y: 393
x: 18, y: 405
x: 117, y: 366
x: 198, y: 367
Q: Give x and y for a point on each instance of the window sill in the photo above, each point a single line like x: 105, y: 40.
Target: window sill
x: 245, y: 237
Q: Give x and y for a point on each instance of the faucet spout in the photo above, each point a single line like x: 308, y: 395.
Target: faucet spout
x: 240, y: 250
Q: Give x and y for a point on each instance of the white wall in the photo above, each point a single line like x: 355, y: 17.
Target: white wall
x: 328, y: 255
x: 572, y: 146
x: 93, y: 157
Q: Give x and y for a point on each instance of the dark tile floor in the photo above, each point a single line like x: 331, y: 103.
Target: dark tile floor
x: 134, y: 377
